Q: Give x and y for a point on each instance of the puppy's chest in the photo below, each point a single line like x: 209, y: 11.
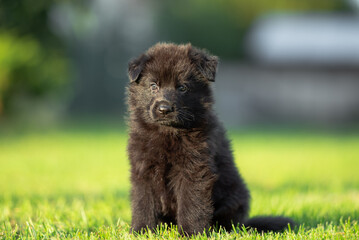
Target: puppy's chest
x: 180, y: 151
x: 165, y: 162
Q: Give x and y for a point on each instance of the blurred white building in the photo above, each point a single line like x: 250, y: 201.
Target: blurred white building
x: 306, y: 39
x: 305, y: 70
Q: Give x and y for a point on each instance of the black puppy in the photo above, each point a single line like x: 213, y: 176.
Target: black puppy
x: 182, y: 168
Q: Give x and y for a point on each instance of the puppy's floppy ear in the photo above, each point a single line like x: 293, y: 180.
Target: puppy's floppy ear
x: 136, y: 66
x: 206, y: 63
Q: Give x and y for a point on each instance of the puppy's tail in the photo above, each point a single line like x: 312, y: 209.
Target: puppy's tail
x: 266, y: 224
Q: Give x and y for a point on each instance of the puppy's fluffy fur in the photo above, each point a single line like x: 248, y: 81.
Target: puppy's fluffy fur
x: 182, y: 168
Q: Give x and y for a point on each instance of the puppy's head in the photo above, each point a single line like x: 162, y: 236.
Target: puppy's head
x: 169, y: 85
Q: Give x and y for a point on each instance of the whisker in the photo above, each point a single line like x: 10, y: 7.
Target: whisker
x: 186, y: 115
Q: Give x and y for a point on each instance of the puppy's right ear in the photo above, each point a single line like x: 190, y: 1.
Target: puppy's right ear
x: 135, y: 67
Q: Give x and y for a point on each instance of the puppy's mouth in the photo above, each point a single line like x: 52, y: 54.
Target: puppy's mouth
x: 174, y: 122
x: 170, y: 120
x: 166, y: 120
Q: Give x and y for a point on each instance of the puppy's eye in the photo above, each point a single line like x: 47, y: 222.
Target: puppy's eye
x: 182, y: 88
x: 154, y: 86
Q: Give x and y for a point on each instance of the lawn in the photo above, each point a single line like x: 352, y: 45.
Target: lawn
x: 73, y: 183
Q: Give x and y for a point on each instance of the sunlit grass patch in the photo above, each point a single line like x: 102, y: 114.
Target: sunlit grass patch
x: 74, y: 184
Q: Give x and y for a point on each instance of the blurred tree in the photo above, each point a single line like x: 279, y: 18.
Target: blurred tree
x: 220, y: 26
x: 32, y: 59
x: 203, y: 23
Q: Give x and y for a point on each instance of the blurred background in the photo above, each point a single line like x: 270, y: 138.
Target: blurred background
x: 287, y: 90
x: 282, y: 62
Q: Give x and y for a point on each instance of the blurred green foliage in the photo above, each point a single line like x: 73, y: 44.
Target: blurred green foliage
x: 32, y: 59
x: 28, y: 69
x: 220, y: 26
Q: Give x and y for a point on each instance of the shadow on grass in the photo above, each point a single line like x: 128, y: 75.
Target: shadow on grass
x: 308, y: 221
x: 314, y: 205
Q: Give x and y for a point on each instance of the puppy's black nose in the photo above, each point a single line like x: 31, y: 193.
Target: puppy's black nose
x: 165, y: 108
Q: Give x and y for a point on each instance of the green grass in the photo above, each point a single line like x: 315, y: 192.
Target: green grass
x: 74, y: 184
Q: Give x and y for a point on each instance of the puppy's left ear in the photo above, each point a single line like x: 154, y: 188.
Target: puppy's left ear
x: 136, y: 66
x: 206, y: 63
